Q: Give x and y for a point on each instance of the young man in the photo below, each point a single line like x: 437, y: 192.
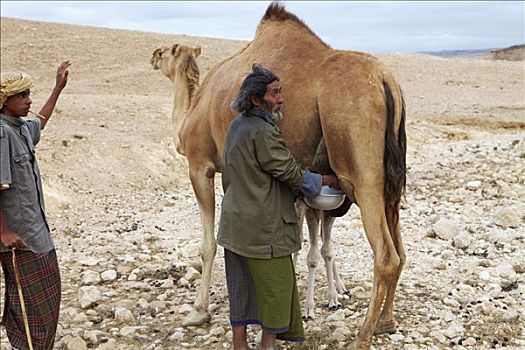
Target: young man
x: 258, y: 226
x: 26, y: 247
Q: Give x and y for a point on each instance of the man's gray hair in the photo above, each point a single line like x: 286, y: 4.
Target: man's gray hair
x: 254, y: 84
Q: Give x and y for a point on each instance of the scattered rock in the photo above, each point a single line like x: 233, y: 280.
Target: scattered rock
x: 88, y: 296
x: 446, y: 229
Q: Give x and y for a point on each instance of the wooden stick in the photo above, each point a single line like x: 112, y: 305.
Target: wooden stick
x: 22, y: 302
x: 38, y: 115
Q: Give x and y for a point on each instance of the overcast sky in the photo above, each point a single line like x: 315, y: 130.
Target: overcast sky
x: 380, y: 26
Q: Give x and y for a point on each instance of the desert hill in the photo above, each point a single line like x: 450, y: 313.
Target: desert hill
x: 119, y: 199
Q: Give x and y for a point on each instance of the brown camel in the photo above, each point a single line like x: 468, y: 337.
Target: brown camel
x: 349, y: 98
x: 179, y: 65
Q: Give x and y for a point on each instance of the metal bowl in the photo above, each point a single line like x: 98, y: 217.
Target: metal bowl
x: 328, y: 199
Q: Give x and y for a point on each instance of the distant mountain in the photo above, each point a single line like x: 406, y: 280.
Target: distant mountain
x: 511, y: 53
x: 459, y: 53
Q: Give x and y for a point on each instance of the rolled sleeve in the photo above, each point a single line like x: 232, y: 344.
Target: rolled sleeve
x: 5, y: 160
x: 33, y: 125
x: 312, y: 184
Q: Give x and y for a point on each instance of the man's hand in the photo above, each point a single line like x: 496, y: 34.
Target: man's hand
x: 331, y: 180
x: 62, y: 73
x: 11, y: 240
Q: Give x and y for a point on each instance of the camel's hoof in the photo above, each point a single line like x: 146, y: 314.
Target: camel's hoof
x: 388, y: 327
x: 309, y: 315
x: 195, y: 318
x: 307, y: 318
x: 335, y: 307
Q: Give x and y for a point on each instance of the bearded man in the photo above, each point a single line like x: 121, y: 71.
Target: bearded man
x: 27, y: 252
x: 258, y: 225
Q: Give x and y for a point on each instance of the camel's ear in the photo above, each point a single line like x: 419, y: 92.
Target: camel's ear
x: 197, y: 51
x: 156, y: 52
x: 174, y: 49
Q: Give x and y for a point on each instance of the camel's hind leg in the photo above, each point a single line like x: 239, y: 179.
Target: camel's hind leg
x: 313, y: 217
x: 386, y: 323
x: 369, y: 197
x: 202, y: 180
x: 327, y: 252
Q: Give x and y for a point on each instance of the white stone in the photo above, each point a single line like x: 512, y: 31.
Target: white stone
x: 439, y: 336
x: 109, y: 275
x: 471, y: 214
x: 176, y: 336
x: 396, y: 337
x: 217, y: 331
x: 111, y: 344
x: 473, y: 185
x: 339, y: 315
x: 484, y: 275
x: 505, y: 270
x: 454, y: 330
x: 123, y: 315
x: 446, y: 229
x: 506, y: 218
x: 167, y: 283
x: 470, y: 341
x: 448, y: 316
x: 89, y: 277
x: 127, y: 331
x: 462, y: 241
x: 192, y: 274
x: 450, y: 302
x: 89, y: 261
x: 185, y: 309
x: 191, y: 250
x: 74, y: 343
x: 88, y: 296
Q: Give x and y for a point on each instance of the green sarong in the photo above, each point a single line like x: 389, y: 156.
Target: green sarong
x: 277, y: 297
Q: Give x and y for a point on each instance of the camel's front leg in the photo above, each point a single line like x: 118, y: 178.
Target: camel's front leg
x: 202, y: 180
x: 313, y: 217
x: 300, y: 209
x: 326, y: 251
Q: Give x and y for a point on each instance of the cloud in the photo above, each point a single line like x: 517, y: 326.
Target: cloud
x: 381, y: 26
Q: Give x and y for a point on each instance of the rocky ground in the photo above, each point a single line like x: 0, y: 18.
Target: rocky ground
x: 127, y: 228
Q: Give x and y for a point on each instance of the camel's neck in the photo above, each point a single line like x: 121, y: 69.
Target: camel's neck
x: 181, y: 100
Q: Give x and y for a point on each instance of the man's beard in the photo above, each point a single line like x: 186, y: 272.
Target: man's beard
x: 275, y: 114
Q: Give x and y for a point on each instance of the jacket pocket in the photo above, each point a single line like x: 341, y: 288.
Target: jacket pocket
x: 290, y: 218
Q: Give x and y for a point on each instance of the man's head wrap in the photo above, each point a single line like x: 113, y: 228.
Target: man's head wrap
x: 254, y: 84
x: 13, y: 83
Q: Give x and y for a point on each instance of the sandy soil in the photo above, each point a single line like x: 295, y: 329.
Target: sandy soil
x: 119, y: 199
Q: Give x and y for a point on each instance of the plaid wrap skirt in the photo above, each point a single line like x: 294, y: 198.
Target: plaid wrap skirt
x: 264, y: 291
x: 41, y: 287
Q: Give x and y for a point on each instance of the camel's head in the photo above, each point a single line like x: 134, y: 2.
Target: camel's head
x: 171, y: 59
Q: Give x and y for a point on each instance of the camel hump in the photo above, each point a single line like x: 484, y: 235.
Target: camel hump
x: 277, y: 12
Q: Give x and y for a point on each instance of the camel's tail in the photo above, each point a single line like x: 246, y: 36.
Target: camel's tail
x: 395, y: 154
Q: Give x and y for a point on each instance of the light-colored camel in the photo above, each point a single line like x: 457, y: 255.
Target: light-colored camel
x: 319, y: 225
x: 350, y: 98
